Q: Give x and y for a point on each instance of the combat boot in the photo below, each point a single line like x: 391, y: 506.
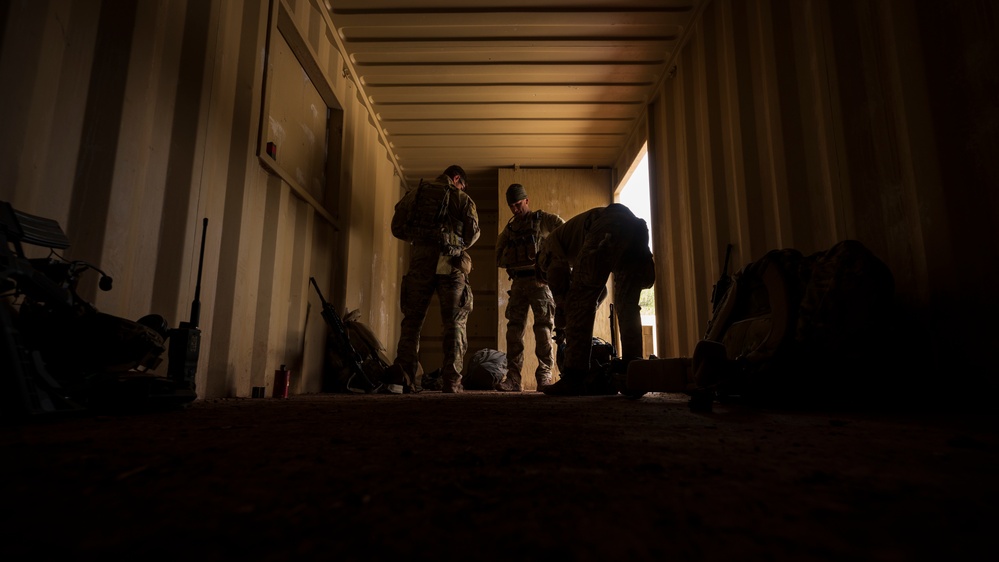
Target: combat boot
x: 394, y: 380
x: 543, y: 381
x: 571, y: 384
x: 451, y: 384
x: 510, y: 384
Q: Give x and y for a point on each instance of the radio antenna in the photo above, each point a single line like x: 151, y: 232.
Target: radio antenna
x: 196, y: 304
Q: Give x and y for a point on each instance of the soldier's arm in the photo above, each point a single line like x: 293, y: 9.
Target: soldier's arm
x: 471, y: 228
x: 501, y: 245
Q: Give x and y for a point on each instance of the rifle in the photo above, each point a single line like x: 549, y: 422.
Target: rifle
x: 613, y: 330
x: 358, y: 382
x: 724, y: 281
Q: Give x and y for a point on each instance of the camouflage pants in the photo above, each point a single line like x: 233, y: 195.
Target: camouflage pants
x: 610, y: 246
x: 455, y: 297
x: 529, y: 294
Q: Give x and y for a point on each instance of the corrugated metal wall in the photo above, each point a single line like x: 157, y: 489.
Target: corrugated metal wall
x: 792, y: 123
x: 128, y: 122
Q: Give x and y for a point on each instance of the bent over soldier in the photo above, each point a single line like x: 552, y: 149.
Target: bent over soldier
x: 516, y: 249
x: 576, y: 260
x: 440, y: 221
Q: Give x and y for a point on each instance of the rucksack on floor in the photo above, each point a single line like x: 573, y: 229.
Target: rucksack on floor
x: 486, y: 368
x: 362, y: 338
x: 794, y: 326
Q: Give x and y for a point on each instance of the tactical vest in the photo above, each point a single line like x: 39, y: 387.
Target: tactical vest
x: 429, y: 223
x: 523, y: 239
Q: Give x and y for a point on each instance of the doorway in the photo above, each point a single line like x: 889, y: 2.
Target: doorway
x: 633, y: 192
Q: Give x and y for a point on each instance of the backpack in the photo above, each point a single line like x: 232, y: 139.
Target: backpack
x: 426, y: 219
x: 602, y: 353
x: 486, y: 368
x: 362, y: 338
x: 754, y: 317
x: 792, y: 326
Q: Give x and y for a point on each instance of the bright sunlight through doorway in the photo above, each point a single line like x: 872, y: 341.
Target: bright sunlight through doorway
x: 635, y: 195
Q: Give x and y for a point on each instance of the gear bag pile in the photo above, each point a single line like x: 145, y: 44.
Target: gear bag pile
x: 374, y: 361
x: 795, y: 326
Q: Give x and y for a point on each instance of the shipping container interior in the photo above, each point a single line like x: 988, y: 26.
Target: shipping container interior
x: 294, y: 126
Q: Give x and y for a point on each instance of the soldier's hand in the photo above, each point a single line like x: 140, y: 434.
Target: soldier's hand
x: 559, y: 336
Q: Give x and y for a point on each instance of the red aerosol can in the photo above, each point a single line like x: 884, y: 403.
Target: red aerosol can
x: 282, y: 380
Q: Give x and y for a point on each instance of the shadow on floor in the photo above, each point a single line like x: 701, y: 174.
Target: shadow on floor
x: 500, y: 476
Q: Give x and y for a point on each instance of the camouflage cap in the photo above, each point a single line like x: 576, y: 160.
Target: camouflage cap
x: 514, y: 193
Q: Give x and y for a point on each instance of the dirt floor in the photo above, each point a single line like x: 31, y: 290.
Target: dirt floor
x: 499, y: 476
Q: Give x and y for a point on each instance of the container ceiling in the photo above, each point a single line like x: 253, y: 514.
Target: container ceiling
x: 503, y: 83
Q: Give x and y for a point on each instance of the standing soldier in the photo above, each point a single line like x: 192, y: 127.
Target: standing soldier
x: 439, y: 219
x: 516, y: 249
x: 576, y: 260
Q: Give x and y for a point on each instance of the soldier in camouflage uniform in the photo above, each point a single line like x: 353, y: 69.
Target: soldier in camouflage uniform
x: 576, y: 260
x: 516, y: 249
x: 439, y: 219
